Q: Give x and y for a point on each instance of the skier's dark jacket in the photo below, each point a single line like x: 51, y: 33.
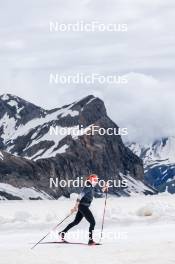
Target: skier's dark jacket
x: 87, y: 194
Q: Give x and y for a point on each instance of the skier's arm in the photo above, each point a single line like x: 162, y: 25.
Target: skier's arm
x: 75, y: 208
x: 105, y: 188
x: 98, y: 190
x: 80, y: 196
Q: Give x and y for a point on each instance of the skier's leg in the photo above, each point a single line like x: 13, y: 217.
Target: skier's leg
x: 90, y: 218
x: 76, y: 221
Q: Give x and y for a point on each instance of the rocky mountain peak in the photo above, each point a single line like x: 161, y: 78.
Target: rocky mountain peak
x: 31, y: 154
x: 19, y: 109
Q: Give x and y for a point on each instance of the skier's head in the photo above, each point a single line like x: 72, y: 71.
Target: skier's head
x: 93, y: 179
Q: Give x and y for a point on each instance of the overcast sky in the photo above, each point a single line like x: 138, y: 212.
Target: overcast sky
x: 145, y: 54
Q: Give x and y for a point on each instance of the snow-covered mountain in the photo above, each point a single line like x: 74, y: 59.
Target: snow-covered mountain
x: 25, y: 128
x: 159, y: 162
x: 30, y: 154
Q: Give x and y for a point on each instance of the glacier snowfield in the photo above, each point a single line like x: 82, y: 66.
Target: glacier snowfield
x: 138, y: 229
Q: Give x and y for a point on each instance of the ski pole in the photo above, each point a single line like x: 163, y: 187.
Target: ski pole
x: 51, y: 230
x: 104, y: 211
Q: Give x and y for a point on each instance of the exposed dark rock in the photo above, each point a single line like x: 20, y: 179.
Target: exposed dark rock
x: 31, y: 156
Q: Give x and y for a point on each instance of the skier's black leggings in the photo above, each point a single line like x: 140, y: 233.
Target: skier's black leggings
x: 83, y: 211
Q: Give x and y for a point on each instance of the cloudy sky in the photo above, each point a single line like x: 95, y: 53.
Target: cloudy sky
x: 29, y: 52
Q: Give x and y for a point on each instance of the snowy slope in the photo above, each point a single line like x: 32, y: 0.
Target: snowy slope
x: 162, y: 151
x: 137, y: 230
x: 134, y: 186
x: 35, y: 129
x: 1, y: 155
x: 159, y: 162
x: 22, y: 193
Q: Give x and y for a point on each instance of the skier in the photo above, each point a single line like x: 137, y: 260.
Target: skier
x: 82, y: 207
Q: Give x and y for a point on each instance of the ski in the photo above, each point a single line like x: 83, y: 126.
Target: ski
x: 70, y: 243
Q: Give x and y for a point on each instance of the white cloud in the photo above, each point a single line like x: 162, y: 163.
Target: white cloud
x: 145, y: 105
x: 29, y: 53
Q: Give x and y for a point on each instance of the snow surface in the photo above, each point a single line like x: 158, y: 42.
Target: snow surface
x: 145, y: 227
x: 74, y: 131
x: 62, y: 149
x: 23, y: 193
x: 1, y: 156
x: 161, y: 151
x: 70, y: 112
x: 9, y: 126
x: 134, y: 186
x: 5, y: 97
x: 11, y: 132
x: 15, y: 104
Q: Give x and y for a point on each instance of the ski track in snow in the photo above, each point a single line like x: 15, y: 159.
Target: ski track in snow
x: 148, y: 223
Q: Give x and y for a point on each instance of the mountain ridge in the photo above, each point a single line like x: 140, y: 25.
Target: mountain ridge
x: 33, y: 156
x: 159, y: 162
